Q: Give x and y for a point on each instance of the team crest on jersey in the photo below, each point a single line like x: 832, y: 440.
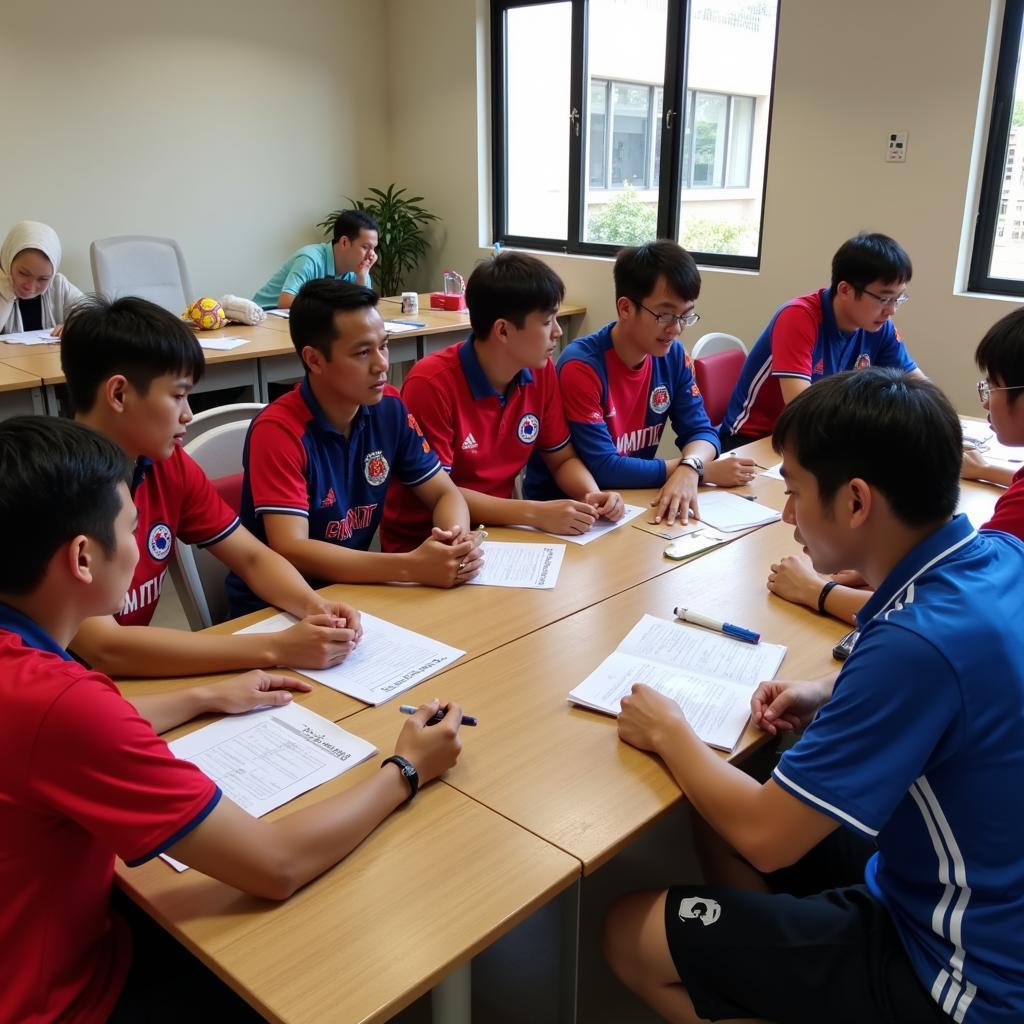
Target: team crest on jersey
x: 529, y: 428
x: 660, y: 399
x: 863, y: 362
x: 819, y: 368
x: 375, y: 468
x: 159, y: 541
x: 699, y: 908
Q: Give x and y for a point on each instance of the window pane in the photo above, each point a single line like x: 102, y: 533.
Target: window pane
x: 731, y: 53
x: 537, y: 120
x: 629, y: 135
x: 1008, y: 250
x: 709, y: 140
x: 626, y: 47
x: 741, y: 127
x: 597, y: 151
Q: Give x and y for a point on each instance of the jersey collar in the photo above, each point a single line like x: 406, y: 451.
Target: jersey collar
x: 479, y: 385
x: 142, y: 465
x: 828, y: 314
x: 329, y: 260
x: 31, y: 633
x: 930, y: 552
x: 320, y: 418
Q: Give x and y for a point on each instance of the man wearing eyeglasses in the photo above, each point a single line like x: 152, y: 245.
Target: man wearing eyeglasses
x: 847, y: 326
x: 621, y: 384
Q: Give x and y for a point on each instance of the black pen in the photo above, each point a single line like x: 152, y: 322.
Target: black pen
x: 408, y: 709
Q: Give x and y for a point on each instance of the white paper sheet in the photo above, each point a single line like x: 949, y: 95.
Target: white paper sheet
x: 399, y: 327
x: 225, y: 343
x: 710, y: 676
x: 598, y: 530
x: 982, y: 437
x: 283, y: 313
x: 729, y: 512
x: 528, y: 566
x: 772, y: 472
x: 43, y: 337
x: 387, y: 661
x: 265, y: 758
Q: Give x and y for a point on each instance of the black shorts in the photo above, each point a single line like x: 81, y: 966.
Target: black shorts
x: 795, y: 957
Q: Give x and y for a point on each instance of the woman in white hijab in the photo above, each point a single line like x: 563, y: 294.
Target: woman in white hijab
x: 33, y: 295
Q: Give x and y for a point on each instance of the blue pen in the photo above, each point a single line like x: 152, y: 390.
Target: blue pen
x: 408, y: 323
x: 748, y: 636
x: 408, y: 709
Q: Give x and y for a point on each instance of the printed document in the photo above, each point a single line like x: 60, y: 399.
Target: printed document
x: 388, y: 659
x: 710, y: 676
x: 729, y: 512
x: 529, y: 566
x: 267, y: 757
x: 224, y: 343
x: 43, y: 337
x: 599, y: 529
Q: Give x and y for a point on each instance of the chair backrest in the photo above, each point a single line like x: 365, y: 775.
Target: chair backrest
x: 151, y: 268
x: 716, y: 376
x: 198, y: 575
x: 206, y: 420
x: 709, y: 344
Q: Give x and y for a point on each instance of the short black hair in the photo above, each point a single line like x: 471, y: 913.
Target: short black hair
x: 311, y: 317
x: 511, y: 286
x: 899, y: 433
x: 870, y: 257
x: 130, y: 336
x: 349, y: 223
x: 1000, y: 354
x: 638, y: 267
x: 59, y: 480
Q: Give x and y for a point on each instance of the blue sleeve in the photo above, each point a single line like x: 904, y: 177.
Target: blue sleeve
x: 594, y: 445
x: 302, y: 269
x: 892, y: 351
x: 893, y: 702
x: 689, y: 417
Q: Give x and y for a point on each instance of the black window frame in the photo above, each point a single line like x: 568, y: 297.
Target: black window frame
x: 995, y: 171
x: 674, y: 110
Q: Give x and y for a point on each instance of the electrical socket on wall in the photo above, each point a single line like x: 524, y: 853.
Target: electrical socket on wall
x: 896, y: 148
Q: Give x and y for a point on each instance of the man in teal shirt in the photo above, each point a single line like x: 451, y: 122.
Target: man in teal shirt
x: 351, y: 254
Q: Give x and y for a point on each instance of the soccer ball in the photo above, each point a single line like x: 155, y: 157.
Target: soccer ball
x: 205, y: 314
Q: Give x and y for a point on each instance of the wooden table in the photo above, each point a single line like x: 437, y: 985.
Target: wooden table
x: 21, y: 392
x: 433, y: 886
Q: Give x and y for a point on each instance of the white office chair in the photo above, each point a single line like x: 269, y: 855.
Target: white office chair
x: 709, y: 344
x: 208, y: 419
x: 151, y: 268
x: 199, y: 576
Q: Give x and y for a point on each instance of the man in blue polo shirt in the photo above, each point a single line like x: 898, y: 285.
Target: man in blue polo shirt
x: 349, y: 256
x: 914, y: 755
x: 847, y: 326
x: 319, y: 460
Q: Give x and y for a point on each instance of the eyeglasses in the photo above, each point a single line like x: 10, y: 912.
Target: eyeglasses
x: 681, y: 320
x: 891, y: 300
x: 985, y: 390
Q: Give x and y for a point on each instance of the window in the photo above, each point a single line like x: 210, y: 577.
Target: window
x: 606, y: 134
x: 997, y: 262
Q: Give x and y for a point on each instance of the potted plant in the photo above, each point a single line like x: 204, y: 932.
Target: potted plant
x: 403, y: 242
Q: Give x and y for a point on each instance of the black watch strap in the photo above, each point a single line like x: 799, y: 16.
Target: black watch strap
x: 408, y: 771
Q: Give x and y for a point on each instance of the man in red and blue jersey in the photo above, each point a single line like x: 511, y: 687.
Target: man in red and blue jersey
x: 847, y: 326
x: 488, y: 404
x: 319, y: 460
x: 622, y: 384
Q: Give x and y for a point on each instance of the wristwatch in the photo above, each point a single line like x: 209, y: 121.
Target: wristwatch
x: 695, y: 463
x: 409, y: 773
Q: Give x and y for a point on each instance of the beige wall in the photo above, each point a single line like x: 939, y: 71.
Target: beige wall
x: 226, y: 124
x: 846, y: 77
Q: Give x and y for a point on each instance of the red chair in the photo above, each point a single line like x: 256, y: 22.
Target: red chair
x: 716, y: 376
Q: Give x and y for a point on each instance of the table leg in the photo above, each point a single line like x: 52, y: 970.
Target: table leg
x: 451, y: 1001
x: 569, y: 907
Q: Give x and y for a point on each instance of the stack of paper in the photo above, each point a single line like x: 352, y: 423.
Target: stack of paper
x: 265, y: 758
x: 43, y: 337
x: 731, y: 513
x: 388, y: 660
x: 710, y: 676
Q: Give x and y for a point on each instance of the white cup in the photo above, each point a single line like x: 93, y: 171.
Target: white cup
x: 410, y: 302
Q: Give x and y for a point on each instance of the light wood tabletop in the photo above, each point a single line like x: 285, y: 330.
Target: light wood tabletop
x: 14, y: 378
x: 436, y: 883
